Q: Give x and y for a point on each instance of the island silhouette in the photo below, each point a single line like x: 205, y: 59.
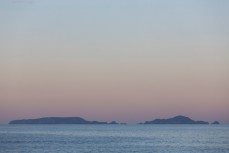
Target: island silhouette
x: 56, y: 120
x: 215, y: 122
x: 78, y: 120
x: 176, y: 120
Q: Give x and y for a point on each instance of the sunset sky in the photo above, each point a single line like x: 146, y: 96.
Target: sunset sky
x: 123, y: 60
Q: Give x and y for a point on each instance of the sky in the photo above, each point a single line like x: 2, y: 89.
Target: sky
x: 128, y: 61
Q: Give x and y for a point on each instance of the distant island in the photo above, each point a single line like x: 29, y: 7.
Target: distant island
x: 56, y: 120
x: 216, y: 122
x: 113, y: 122
x: 175, y: 120
x: 78, y: 120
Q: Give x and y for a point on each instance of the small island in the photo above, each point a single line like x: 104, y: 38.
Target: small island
x: 56, y: 120
x: 113, y: 122
x: 216, y: 122
x: 175, y: 120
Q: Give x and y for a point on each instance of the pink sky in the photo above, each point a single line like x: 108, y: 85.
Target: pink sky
x: 128, y: 61
x: 127, y: 91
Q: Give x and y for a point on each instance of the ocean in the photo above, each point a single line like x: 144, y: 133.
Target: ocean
x: 114, y: 138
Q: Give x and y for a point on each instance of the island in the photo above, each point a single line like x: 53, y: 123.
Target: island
x: 175, y: 120
x: 113, y: 122
x: 56, y: 120
x: 216, y: 122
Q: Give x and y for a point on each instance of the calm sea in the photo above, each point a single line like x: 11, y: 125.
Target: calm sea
x: 114, y: 138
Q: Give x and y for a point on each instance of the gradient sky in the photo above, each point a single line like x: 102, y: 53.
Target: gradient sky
x: 129, y: 61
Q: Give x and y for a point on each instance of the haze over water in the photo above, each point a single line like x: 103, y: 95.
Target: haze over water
x: 128, y: 61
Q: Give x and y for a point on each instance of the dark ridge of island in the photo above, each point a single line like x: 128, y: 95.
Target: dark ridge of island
x: 216, y: 122
x: 176, y: 120
x: 56, y: 120
x: 113, y: 122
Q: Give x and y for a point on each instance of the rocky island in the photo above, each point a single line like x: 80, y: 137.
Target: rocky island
x: 175, y: 120
x: 56, y: 120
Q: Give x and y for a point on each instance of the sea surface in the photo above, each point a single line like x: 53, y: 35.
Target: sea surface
x: 114, y: 138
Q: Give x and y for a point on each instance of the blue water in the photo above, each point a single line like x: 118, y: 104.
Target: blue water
x: 114, y: 138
